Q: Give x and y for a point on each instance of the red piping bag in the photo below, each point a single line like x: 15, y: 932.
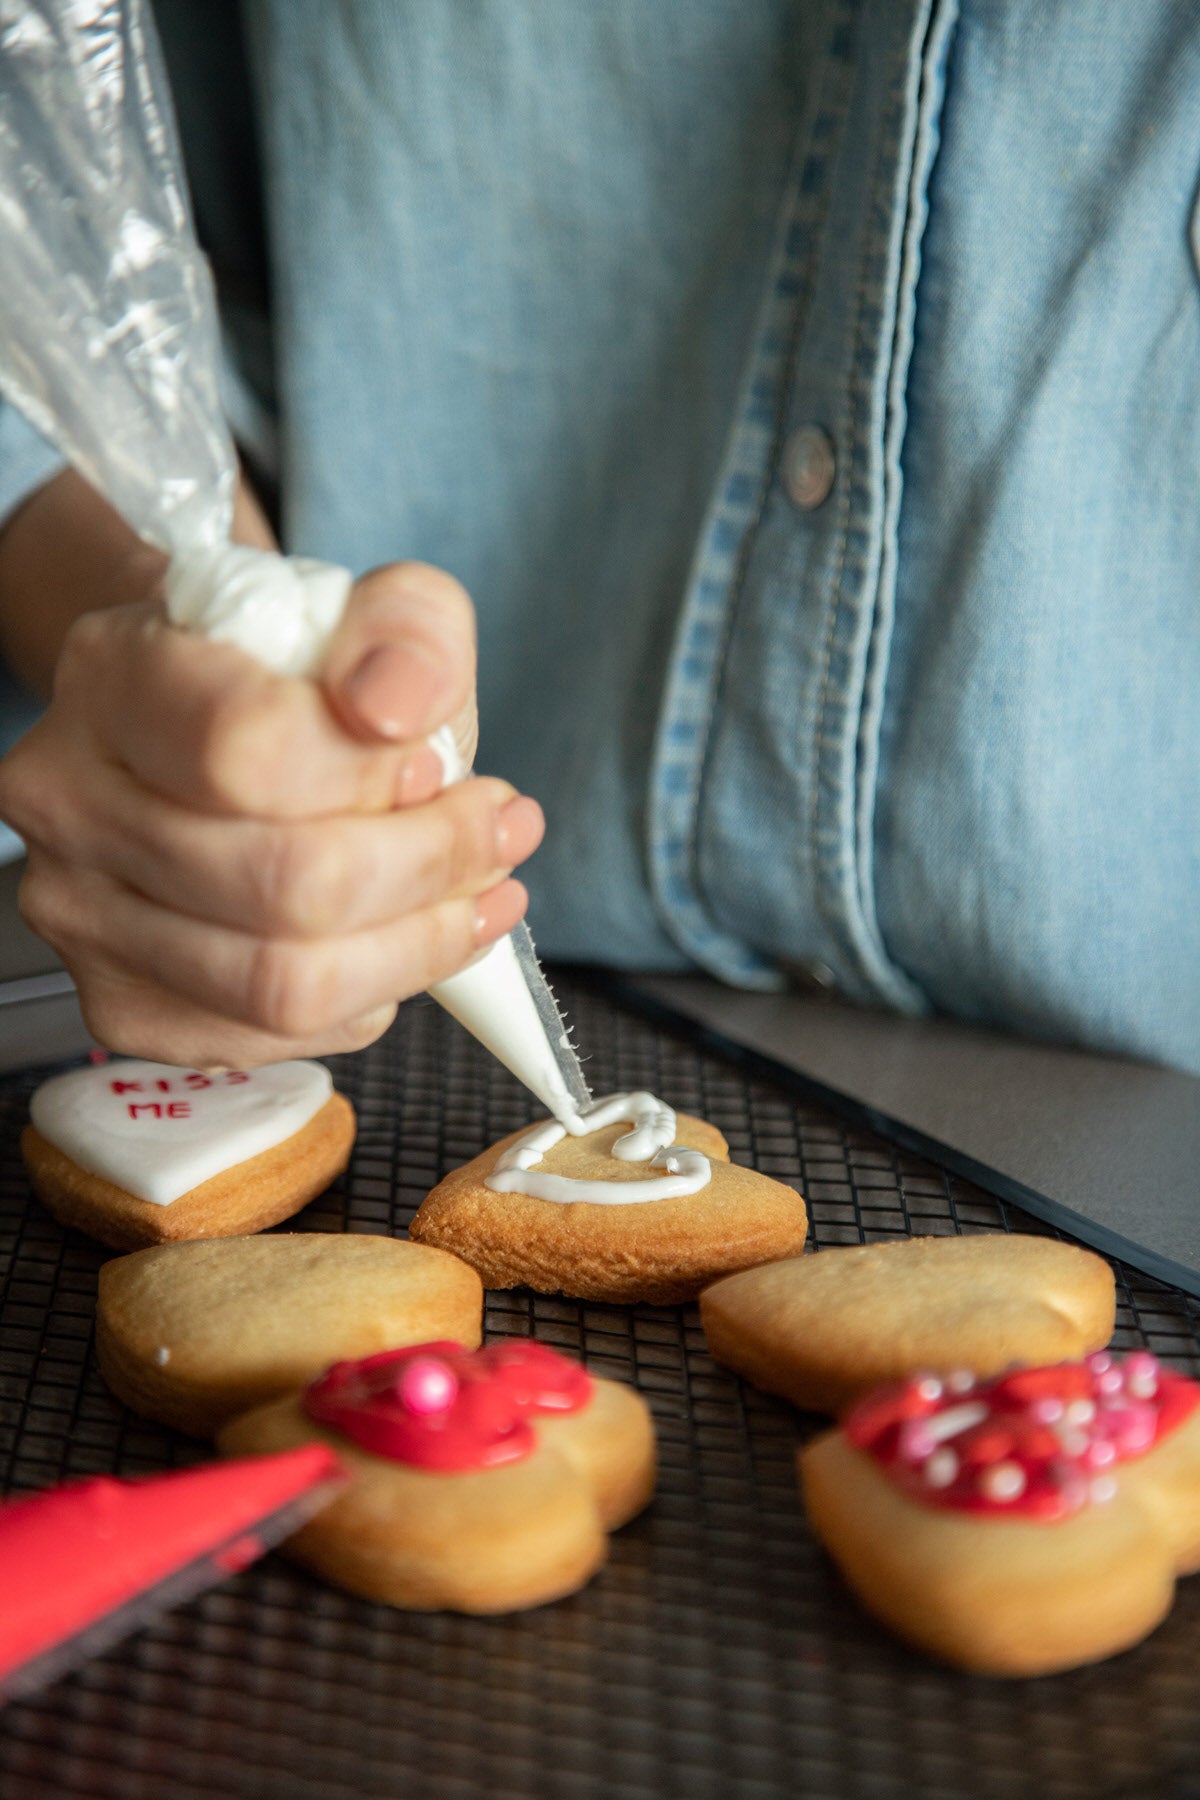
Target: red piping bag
x: 83, y: 1565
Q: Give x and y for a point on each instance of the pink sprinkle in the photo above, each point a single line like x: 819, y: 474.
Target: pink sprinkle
x: 1132, y: 1428
x: 1109, y: 1382
x: 1141, y: 1362
x: 1100, y: 1453
x: 426, y: 1386
x: 1047, y: 1411
x: 929, y: 1388
x: 915, y: 1442
x: 1099, y: 1361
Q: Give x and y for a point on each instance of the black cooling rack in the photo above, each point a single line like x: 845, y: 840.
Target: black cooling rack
x: 717, y: 1655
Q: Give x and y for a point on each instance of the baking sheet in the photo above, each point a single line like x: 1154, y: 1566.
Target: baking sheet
x: 718, y: 1654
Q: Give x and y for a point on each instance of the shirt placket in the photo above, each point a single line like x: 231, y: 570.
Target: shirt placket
x: 763, y: 789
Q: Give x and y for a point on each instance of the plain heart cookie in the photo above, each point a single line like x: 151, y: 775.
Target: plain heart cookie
x: 140, y: 1153
x: 192, y: 1334
x: 483, y: 1482
x: 1019, y: 1526
x: 824, y: 1328
x: 611, y: 1213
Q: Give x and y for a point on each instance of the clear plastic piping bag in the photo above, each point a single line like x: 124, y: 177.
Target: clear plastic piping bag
x: 108, y: 345
x: 108, y: 332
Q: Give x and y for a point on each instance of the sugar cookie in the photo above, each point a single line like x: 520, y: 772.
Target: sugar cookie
x: 482, y: 1482
x: 823, y: 1328
x: 140, y: 1153
x: 1018, y: 1526
x: 193, y: 1333
x: 580, y: 1215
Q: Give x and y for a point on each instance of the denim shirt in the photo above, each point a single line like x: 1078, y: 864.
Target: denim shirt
x: 808, y: 391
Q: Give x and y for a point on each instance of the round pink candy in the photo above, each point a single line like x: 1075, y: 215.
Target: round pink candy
x: 427, y: 1385
x: 1132, y: 1428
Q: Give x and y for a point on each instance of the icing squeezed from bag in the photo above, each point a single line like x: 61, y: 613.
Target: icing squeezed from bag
x: 651, y: 1141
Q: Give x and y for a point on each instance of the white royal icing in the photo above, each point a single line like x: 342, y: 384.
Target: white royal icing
x: 158, y: 1132
x: 281, y: 609
x: 651, y: 1141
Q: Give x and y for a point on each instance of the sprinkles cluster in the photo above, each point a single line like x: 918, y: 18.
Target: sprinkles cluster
x: 1038, y: 1442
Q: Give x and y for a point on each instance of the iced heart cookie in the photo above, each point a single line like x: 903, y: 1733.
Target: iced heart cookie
x: 193, y: 1333
x: 608, y: 1213
x: 141, y: 1153
x: 821, y: 1329
x: 1017, y: 1526
x: 483, y: 1482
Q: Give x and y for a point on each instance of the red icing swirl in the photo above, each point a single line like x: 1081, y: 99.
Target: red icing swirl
x: 1035, y: 1443
x: 439, y: 1406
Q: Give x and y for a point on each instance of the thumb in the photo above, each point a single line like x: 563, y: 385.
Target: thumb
x: 402, y: 661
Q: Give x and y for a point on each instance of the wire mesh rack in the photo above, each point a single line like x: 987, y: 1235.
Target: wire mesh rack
x: 716, y: 1655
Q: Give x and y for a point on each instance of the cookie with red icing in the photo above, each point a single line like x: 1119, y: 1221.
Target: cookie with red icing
x: 1020, y: 1525
x: 480, y: 1481
x: 822, y: 1329
x: 138, y: 1153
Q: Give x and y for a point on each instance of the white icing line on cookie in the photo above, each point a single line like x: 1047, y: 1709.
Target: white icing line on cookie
x: 650, y: 1141
x: 158, y: 1132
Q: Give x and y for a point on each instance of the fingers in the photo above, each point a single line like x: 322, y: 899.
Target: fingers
x: 402, y: 662
x: 310, y: 878
x: 118, y: 944
x: 133, y: 1017
x: 205, y: 726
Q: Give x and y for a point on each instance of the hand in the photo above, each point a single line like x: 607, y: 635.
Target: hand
x: 237, y: 867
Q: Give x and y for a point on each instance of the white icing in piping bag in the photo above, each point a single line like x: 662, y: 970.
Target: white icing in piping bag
x: 284, y: 610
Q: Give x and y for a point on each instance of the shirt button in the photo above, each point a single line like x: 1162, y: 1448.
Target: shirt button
x: 809, y: 467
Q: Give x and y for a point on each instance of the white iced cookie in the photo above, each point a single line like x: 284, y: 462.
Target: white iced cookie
x: 605, y: 1213
x: 140, y: 1153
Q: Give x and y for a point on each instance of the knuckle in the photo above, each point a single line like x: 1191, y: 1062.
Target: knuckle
x: 113, y: 1016
x: 441, y: 588
x: 82, y: 653
x: 447, y: 939
x: 44, y: 903
x: 360, y: 1033
x: 305, y: 883
x: 291, y: 990
x: 235, y: 752
x: 22, y: 796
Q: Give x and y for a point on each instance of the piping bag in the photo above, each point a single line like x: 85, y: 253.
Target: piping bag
x: 85, y: 1564
x: 109, y: 345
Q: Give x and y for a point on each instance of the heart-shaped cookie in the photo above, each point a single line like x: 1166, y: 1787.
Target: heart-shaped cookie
x: 141, y: 1153
x: 1019, y: 1526
x: 158, y: 1132
x: 583, y: 1239
x: 193, y: 1333
x: 822, y: 1329
x: 481, y: 1482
